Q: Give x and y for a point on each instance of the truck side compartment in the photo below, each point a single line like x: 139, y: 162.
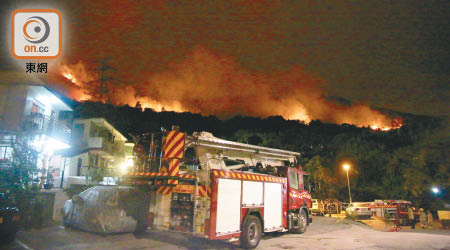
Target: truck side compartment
x: 228, y: 191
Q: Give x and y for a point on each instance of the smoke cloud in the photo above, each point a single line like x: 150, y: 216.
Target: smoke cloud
x: 212, y: 84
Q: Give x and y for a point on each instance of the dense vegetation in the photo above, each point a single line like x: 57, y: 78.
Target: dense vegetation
x: 399, y: 164
x: 18, y: 180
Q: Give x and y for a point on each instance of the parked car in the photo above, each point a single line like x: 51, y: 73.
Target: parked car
x: 344, y: 206
x: 359, y: 209
x: 107, y: 209
x: 317, y: 207
x: 332, y: 206
x: 9, y: 219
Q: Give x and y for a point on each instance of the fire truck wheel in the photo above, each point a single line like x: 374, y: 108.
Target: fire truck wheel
x: 251, y: 232
x: 302, y: 223
x: 141, y: 224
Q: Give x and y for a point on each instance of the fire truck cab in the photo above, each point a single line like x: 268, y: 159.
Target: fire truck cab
x: 225, y: 190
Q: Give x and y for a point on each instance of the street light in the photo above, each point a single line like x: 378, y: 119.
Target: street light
x: 435, y: 190
x: 125, y: 166
x: 347, y: 167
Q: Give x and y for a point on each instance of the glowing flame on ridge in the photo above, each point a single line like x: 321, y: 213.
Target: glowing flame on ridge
x: 292, y: 109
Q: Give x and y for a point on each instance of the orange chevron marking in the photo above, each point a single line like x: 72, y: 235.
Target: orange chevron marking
x: 164, y: 190
x: 169, y: 138
x: 172, y: 182
x: 173, y: 147
x: 174, y: 167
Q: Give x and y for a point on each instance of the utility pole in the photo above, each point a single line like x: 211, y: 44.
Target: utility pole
x: 99, y: 89
x: 347, y: 167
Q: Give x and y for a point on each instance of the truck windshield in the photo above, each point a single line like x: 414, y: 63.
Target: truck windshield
x: 293, y: 180
x: 306, y: 184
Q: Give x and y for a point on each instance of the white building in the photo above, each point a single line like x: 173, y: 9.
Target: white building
x: 97, y: 146
x: 38, y: 112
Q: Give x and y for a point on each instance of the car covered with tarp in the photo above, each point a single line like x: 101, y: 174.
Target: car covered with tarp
x: 107, y: 209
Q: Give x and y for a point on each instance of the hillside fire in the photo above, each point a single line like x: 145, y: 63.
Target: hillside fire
x: 212, y: 84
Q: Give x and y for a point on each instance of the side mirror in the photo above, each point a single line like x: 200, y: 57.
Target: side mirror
x: 312, y: 188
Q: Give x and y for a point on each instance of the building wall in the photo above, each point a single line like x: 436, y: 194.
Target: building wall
x: 73, y: 167
x: 79, y: 138
x: 16, y: 102
x: 13, y: 99
x: 95, y: 134
x: 47, y: 132
x: 100, y: 141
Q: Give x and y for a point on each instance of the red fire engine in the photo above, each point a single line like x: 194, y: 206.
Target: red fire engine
x: 225, y: 190
x: 394, y: 210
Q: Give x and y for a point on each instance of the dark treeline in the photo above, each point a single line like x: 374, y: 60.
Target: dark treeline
x: 399, y: 164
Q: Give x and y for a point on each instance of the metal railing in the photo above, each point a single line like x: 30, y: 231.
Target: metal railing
x: 40, y: 123
x: 7, y: 139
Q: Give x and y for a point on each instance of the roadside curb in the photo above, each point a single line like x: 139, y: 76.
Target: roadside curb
x: 379, y: 225
x: 358, y: 223
x: 345, y: 220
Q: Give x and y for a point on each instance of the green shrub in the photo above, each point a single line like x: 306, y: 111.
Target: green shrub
x: 19, y: 181
x: 36, y: 210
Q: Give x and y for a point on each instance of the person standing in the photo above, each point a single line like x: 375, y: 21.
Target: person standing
x: 329, y: 208
x: 430, y: 220
x: 411, y: 218
x: 423, y: 218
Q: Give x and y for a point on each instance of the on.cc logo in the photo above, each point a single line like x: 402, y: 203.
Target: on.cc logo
x: 36, y: 33
x: 36, y: 29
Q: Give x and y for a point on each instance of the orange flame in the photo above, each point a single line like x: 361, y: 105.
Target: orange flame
x: 70, y: 77
x: 396, y: 124
x: 77, y: 73
x: 215, y: 85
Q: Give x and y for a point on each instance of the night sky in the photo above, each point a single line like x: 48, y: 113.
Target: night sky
x: 388, y: 54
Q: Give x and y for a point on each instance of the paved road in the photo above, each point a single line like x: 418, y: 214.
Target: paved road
x: 324, y: 233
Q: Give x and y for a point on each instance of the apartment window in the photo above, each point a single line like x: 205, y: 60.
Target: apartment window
x: 6, y: 153
x: 91, y: 160
x: 64, y: 115
x: 78, y: 131
x: 37, y: 107
x: 80, y: 161
x: 36, y: 119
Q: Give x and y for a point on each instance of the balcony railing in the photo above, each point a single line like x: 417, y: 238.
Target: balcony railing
x: 37, y: 122
x: 7, y: 140
x: 113, y: 149
x: 40, y: 123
